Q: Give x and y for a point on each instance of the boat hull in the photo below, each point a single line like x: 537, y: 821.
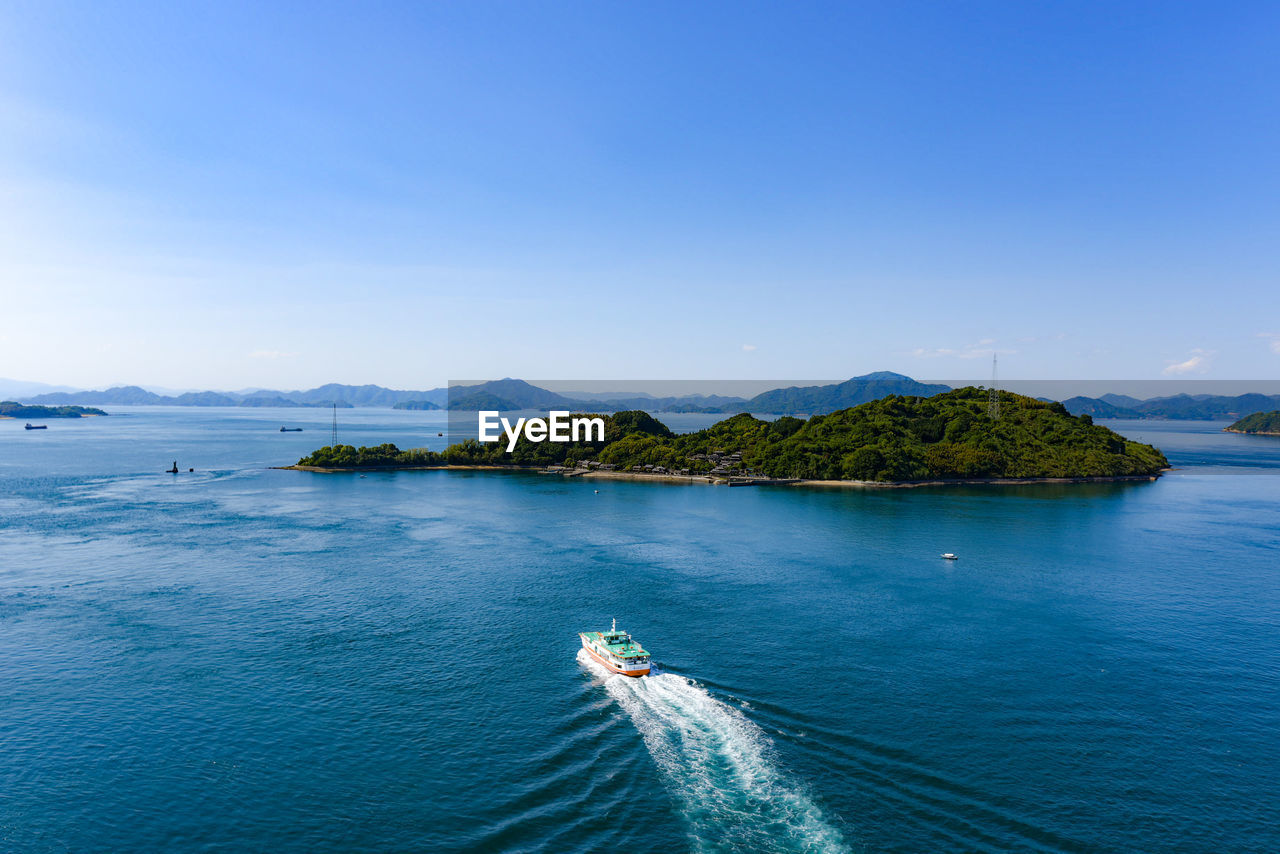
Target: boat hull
x: 612, y: 666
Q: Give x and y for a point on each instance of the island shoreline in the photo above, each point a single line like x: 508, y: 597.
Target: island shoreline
x: 708, y: 480
x: 64, y: 417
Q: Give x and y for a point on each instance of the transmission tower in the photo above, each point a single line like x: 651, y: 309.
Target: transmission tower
x: 333, y: 439
x: 993, y: 394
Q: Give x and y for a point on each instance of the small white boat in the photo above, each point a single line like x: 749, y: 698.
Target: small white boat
x: 949, y: 556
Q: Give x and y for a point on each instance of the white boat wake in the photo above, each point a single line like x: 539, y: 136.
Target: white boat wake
x: 715, y: 762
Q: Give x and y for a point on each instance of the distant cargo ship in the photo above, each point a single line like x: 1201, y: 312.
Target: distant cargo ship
x: 617, y: 651
x: 290, y: 429
x: 31, y: 426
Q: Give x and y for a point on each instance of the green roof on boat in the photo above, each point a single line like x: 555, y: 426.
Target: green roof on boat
x: 619, y: 645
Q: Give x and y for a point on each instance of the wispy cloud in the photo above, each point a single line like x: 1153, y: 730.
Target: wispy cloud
x: 1273, y: 340
x: 1040, y: 339
x: 1196, y: 363
x: 271, y: 354
x: 978, y: 350
x: 748, y: 347
x: 35, y: 122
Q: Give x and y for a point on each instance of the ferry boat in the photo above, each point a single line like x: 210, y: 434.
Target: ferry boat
x: 617, y: 651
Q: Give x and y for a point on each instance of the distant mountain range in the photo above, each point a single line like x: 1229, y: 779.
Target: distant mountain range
x: 1206, y: 407
x: 513, y: 394
x: 333, y: 394
x: 15, y: 389
x: 508, y: 394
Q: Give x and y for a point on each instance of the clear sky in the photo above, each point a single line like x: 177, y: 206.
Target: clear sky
x: 279, y: 195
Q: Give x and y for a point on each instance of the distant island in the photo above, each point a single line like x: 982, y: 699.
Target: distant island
x: 13, y: 409
x: 1259, y: 424
x: 948, y: 437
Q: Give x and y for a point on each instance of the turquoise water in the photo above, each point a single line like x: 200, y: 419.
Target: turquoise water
x: 248, y: 659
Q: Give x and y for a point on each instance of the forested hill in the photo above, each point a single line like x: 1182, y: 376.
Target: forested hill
x: 13, y: 409
x: 806, y: 400
x: 1259, y: 422
x: 947, y: 436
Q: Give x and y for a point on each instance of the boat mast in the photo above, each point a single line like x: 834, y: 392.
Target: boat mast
x: 615, y: 625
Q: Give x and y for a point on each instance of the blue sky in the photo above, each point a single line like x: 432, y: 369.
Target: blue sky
x: 224, y: 196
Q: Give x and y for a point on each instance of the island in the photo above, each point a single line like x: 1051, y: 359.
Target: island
x: 13, y: 409
x: 1257, y: 424
x: 897, y: 440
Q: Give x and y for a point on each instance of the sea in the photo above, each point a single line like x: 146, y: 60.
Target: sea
x: 241, y: 658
